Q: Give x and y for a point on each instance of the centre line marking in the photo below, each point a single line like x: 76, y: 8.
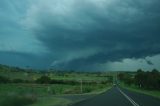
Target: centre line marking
x: 128, y: 98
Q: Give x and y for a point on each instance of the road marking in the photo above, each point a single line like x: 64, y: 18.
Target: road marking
x: 127, y: 97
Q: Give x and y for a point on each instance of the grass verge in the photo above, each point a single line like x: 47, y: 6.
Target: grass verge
x: 58, y: 101
x: 37, y: 95
x: 153, y: 93
x: 51, y: 101
x: 18, y: 100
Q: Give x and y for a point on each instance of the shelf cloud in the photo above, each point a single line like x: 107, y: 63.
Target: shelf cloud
x: 82, y: 34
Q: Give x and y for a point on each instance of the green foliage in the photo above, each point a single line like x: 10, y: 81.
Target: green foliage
x: 44, y: 80
x: 87, y: 89
x: 18, y: 81
x: 47, y: 83
x: 148, y: 80
x: 73, y: 90
x: 18, y: 100
x: 4, y: 80
x: 126, y: 78
x: 110, y: 79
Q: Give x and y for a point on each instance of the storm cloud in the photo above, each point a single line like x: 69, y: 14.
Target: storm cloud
x: 88, y: 34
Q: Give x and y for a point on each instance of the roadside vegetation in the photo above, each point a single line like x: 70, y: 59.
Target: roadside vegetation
x: 26, y: 87
x: 141, y: 81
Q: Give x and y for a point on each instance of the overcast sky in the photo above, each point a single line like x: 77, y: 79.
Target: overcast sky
x: 89, y: 35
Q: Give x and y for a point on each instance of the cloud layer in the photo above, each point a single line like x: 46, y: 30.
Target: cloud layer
x: 90, y: 34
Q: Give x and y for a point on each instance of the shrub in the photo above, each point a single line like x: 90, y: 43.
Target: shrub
x: 44, y: 80
x: 148, y: 80
x: 4, y: 80
x: 87, y: 89
x: 17, y: 81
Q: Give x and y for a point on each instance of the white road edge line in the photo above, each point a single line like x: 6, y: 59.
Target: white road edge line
x: 127, y: 97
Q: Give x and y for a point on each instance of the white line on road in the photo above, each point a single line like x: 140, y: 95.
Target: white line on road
x: 127, y: 97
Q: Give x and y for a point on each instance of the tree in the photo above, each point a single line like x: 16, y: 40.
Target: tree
x: 140, y: 78
x: 44, y: 80
x: 148, y: 80
x: 126, y: 78
x: 4, y: 79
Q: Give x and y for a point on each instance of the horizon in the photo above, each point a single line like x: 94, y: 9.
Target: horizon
x: 76, y: 71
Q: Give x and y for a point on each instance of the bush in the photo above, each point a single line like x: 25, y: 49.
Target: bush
x: 126, y: 78
x: 87, y: 90
x: 69, y: 82
x: 4, y: 80
x: 18, y: 81
x: 44, y: 80
x: 148, y: 80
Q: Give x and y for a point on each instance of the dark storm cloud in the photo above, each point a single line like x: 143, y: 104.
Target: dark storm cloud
x: 78, y: 34
x: 24, y: 60
x: 115, y: 30
x: 149, y: 62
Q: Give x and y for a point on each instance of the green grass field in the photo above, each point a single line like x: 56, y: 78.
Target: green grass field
x: 43, y: 93
x: 134, y: 88
x: 32, y: 94
x: 72, y: 76
x: 46, y: 89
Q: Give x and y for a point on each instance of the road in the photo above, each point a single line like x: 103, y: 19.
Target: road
x: 120, y: 97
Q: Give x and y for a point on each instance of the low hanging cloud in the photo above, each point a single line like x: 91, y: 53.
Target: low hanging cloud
x: 88, y: 32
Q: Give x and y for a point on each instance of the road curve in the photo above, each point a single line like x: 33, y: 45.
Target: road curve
x: 120, y: 97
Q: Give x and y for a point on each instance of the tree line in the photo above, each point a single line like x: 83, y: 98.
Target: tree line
x: 47, y: 80
x: 147, y: 80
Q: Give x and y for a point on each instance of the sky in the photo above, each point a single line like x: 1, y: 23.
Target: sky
x: 84, y: 35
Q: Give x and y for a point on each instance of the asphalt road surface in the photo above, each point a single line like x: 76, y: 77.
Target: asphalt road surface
x: 120, y: 97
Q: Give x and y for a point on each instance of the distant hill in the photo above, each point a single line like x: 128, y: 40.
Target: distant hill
x: 11, y: 68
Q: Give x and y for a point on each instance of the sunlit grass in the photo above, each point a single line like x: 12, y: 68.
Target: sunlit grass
x: 46, y: 94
